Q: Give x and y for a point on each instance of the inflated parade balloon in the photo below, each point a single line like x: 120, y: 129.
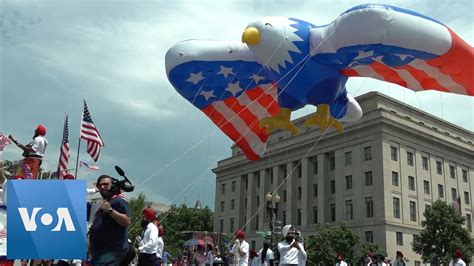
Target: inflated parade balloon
x: 249, y: 88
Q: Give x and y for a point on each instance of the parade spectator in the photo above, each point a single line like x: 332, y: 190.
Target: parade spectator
x: 148, y: 244
x: 457, y: 259
x: 399, y: 259
x: 108, y: 233
x: 265, y: 255
x: 209, y: 255
x: 241, y: 249
x: 291, y: 251
x: 253, y: 261
x: 340, y: 261
x: 160, y: 244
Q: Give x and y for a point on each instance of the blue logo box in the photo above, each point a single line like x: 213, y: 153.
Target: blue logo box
x: 46, y: 219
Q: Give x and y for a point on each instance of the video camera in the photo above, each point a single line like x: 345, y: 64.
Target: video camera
x: 119, y: 185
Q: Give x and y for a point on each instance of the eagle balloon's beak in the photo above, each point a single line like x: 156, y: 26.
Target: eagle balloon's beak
x: 251, y: 36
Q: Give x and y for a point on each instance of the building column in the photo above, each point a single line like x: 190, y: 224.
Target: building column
x: 305, y: 191
x: 321, y: 190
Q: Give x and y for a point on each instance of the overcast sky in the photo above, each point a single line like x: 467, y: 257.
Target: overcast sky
x: 54, y: 54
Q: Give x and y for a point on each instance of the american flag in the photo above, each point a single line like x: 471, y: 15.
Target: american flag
x: 4, y: 141
x: 457, y: 204
x: 64, y: 152
x: 90, y: 133
x: 92, y: 167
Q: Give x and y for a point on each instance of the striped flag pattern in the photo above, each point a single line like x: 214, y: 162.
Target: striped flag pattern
x: 89, y: 166
x: 64, y: 152
x: 457, y: 204
x: 90, y: 133
x: 4, y: 141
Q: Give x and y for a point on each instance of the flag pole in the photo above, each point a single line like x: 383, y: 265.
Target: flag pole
x: 79, y: 145
x: 61, y: 146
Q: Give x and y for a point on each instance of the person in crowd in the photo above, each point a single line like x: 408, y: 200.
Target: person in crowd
x: 291, y: 251
x: 371, y: 259
x: 209, y: 255
x: 457, y: 259
x: 399, y: 259
x: 265, y: 255
x: 160, y: 244
x: 148, y: 244
x: 340, y: 261
x: 108, y: 238
x: 240, y: 249
x: 253, y: 260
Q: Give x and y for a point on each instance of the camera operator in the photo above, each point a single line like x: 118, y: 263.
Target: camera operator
x: 291, y: 251
x: 108, y: 233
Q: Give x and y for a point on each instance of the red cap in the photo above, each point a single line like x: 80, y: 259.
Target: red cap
x: 149, y: 214
x: 399, y: 254
x: 41, y: 130
x: 253, y: 253
x: 239, y: 234
x: 457, y: 253
x: 68, y: 176
x: 370, y: 254
x: 340, y: 257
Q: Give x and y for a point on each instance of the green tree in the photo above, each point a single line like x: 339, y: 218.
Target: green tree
x: 364, y: 249
x: 442, y: 235
x: 329, y: 242
x: 136, y: 206
x: 181, y: 219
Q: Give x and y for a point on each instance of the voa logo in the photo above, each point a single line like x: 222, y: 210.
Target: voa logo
x: 29, y: 219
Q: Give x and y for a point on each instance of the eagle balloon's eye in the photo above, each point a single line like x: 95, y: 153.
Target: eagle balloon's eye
x: 268, y: 24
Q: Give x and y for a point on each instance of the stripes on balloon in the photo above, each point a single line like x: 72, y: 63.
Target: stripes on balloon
x: 249, y: 88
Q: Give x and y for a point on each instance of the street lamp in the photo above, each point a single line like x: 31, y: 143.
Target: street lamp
x: 272, y: 209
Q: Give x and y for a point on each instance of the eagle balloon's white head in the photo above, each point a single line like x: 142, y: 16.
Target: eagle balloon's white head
x: 271, y: 39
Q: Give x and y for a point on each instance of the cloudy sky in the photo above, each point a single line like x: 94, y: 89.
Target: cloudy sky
x: 54, y: 54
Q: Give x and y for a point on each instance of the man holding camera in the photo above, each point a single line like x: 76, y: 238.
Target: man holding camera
x: 291, y: 251
x: 108, y: 233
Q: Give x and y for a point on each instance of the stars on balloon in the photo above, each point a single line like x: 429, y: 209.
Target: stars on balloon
x: 207, y: 94
x: 195, y: 78
x: 256, y: 78
x: 234, y: 88
x: 226, y: 71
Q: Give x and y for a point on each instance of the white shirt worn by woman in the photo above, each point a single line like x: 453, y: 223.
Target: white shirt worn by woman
x: 244, y: 246
x: 160, y: 246
x: 269, y: 256
x: 457, y: 262
x: 148, y: 243
x: 291, y: 255
x: 341, y: 263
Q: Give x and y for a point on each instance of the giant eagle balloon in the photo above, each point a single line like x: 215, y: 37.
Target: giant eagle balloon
x: 249, y: 88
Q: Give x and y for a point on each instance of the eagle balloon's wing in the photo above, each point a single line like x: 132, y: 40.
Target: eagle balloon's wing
x: 396, y: 45
x: 224, y: 81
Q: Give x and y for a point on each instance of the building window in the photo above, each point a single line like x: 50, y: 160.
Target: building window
x: 424, y: 162
x: 221, y: 226
x: 315, y: 214
x: 464, y: 175
x: 368, y: 178
x: 233, y: 186
x: 395, y: 182
x: 315, y: 165
x: 257, y: 177
x: 417, y: 263
x: 396, y: 208
x: 300, y: 170
x: 245, y: 203
x: 299, y: 192
x: 451, y: 172
x: 466, y: 198
x: 440, y: 191
x: 298, y: 217
x: 468, y: 222
x: 412, y: 211
x: 348, y: 158
x: 369, y: 236
x: 409, y: 158
x: 411, y: 183
x: 454, y: 194
x: 223, y: 189
x: 246, y: 181
x: 333, y: 212
x: 426, y: 187
x: 399, y: 239
x: 256, y: 222
x: 283, y: 217
x: 315, y: 190
x: 222, y: 206
x: 332, y: 184
x: 439, y: 168
x: 394, y: 153
x: 369, y: 205
x: 284, y: 195
x: 427, y: 206
x: 367, y: 153
x: 253, y: 244
x: 332, y: 163
x: 349, y: 210
x: 231, y: 225
x: 258, y: 200
x: 232, y: 204
x: 348, y: 182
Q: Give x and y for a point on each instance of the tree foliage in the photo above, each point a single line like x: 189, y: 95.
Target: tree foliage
x: 442, y: 235
x: 364, y: 249
x: 136, y: 206
x: 329, y: 242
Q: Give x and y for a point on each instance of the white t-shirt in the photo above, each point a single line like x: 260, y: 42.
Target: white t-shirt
x: 39, y: 145
x: 457, y: 262
x: 291, y: 255
x: 160, y: 247
x: 244, y: 246
x: 341, y: 263
x: 148, y: 244
x: 209, y: 258
x: 269, y: 257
